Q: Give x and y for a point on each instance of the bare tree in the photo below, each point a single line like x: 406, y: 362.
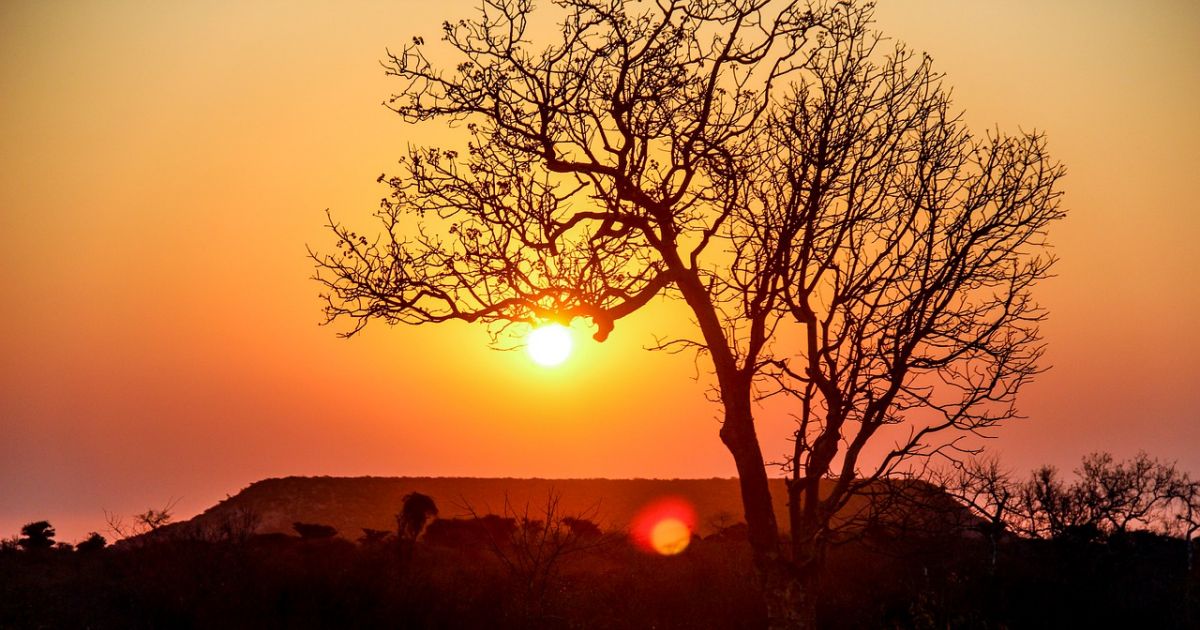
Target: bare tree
x: 1187, y: 523
x: 844, y: 243
x: 142, y: 524
x: 1188, y: 517
x: 1052, y: 508
x: 1107, y: 498
x: 533, y: 551
x: 990, y: 493
x: 1129, y: 493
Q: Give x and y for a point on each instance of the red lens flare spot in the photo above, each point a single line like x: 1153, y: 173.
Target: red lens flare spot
x: 664, y: 526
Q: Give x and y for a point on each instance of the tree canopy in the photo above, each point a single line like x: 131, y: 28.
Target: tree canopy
x: 843, y: 241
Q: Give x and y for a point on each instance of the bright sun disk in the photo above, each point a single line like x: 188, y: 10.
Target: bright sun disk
x: 549, y: 345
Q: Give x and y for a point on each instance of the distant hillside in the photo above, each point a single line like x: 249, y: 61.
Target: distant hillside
x: 352, y: 503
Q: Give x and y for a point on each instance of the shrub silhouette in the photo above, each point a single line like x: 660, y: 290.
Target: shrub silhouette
x: 314, y: 531
x: 463, y: 533
x: 416, y: 509
x: 582, y: 528
x: 36, y: 536
x: 94, y: 542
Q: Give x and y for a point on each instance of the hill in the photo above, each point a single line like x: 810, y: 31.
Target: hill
x: 352, y: 503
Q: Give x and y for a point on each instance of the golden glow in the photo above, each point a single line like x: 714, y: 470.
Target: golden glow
x: 549, y: 345
x: 670, y: 536
x: 209, y: 124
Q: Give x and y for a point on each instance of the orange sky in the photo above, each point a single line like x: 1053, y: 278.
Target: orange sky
x: 162, y: 168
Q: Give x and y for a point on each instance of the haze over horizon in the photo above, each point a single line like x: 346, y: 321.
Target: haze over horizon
x: 162, y: 168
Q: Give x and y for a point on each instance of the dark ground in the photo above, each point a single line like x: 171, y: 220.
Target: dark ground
x: 276, y: 581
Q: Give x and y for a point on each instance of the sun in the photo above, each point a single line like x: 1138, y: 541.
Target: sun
x: 549, y: 345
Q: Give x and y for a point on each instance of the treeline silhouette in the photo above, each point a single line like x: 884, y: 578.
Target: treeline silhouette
x: 1111, y: 546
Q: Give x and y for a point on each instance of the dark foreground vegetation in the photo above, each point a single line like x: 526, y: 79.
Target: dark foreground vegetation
x: 1107, y: 549
x: 281, y: 581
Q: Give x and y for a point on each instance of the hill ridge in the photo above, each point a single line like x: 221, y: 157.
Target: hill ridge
x: 371, y: 501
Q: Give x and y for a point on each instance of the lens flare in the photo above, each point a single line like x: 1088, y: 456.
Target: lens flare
x: 664, y: 526
x: 670, y: 536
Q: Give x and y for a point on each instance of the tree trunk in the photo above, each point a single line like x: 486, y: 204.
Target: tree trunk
x: 787, y: 594
x: 789, y: 600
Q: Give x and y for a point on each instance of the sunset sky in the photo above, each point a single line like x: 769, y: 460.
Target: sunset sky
x: 163, y: 165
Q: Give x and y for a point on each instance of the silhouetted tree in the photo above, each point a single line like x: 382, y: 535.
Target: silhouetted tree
x: 36, y: 536
x: 842, y: 241
x: 1054, y: 509
x: 94, y: 542
x: 534, y: 544
x: 1131, y: 492
x: 1188, y: 517
x: 152, y: 519
x: 415, y: 510
x: 314, y: 531
x: 1187, y: 520
x: 990, y: 493
x: 145, y: 523
x: 1106, y: 499
x: 477, y: 531
x: 582, y: 528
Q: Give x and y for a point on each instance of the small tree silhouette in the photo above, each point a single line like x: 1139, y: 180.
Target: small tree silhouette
x: 36, y: 536
x: 1130, y: 493
x: 1054, y: 508
x: 1107, y: 499
x: 989, y: 492
x: 415, y: 510
x: 94, y: 542
x: 145, y: 523
x: 534, y: 544
x: 1188, y: 518
x: 582, y: 528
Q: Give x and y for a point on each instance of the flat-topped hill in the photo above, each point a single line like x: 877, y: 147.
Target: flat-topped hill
x: 353, y: 503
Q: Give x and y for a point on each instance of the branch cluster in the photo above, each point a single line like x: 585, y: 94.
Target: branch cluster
x: 844, y: 243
